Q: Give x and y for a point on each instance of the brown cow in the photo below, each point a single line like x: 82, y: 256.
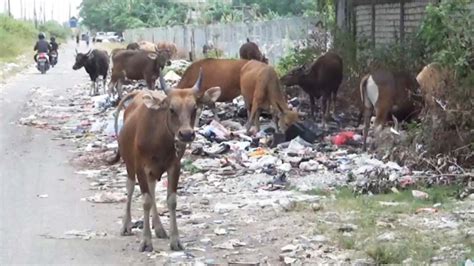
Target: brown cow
x: 261, y: 90
x: 319, y: 79
x: 250, y: 50
x: 137, y: 65
x: 153, y: 139
x: 171, y: 47
x: 224, y: 73
x: 391, y: 95
x: 433, y: 80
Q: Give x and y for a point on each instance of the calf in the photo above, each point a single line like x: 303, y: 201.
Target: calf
x: 137, y: 65
x: 224, y: 73
x: 96, y: 62
x: 153, y: 139
x: 261, y: 90
x: 391, y: 95
x: 171, y: 47
x: 319, y: 79
x: 250, y: 50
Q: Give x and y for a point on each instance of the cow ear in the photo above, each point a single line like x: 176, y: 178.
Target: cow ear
x: 152, y: 56
x: 153, y: 102
x: 211, y: 95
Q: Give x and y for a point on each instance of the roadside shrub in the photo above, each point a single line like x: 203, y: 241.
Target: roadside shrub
x: 17, y: 37
x: 53, y: 28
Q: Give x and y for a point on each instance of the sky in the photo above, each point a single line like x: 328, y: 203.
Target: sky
x: 55, y: 9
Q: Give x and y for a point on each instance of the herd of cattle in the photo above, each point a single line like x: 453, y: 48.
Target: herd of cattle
x: 157, y: 127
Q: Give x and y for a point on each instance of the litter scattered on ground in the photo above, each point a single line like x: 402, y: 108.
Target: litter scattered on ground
x: 237, y: 193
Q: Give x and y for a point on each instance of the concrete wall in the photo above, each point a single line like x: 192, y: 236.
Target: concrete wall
x: 392, y: 18
x: 274, y: 37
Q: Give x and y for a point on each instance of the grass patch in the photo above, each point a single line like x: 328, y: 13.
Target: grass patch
x: 388, y: 230
x: 188, y: 166
x: 18, y: 37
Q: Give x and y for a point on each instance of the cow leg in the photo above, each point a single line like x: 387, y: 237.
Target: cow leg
x: 333, y: 98
x: 119, y: 88
x: 158, y: 226
x: 127, y: 218
x: 111, y: 86
x: 173, y: 178
x: 104, y: 81
x: 150, y: 83
x: 324, y: 110
x: 367, y: 115
x: 198, y: 116
x: 312, y: 104
x: 96, y: 87
x: 92, y: 90
x: 146, y: 244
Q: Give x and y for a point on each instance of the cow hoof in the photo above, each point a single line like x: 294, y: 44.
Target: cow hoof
x: 161, y: 233
x: 146, y: 246
x: 126, y: 231
x: 176, y: 245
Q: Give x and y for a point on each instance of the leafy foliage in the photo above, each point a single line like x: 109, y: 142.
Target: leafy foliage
x: 53, y: 28
x: 16, y: 37
x: 447, y: 33
x: 118, y: 15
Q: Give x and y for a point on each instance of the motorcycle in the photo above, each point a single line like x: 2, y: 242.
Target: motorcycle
x: 54, y: 58
x: 43, y: 63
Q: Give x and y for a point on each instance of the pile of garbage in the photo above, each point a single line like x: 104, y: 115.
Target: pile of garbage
x: 300, y: 159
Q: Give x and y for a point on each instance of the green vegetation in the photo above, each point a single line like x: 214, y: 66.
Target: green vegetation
x: 387, y: 227
x: 125, y: 14
x: 53, y: 28
x: 17, y: 37
x: 20, y: 36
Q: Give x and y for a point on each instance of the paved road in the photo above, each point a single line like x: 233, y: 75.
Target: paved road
x: 31, y: 163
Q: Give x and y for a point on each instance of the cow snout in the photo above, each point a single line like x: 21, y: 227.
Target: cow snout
x: 186, y: 135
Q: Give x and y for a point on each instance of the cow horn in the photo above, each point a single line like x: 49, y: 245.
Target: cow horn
x: 197, y: 85
x: 88, y: 53
x: 76, y: 51
x: 163, y: 84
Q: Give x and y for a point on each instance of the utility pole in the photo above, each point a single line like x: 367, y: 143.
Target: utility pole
x: 35, y: 19
x: 44, y: 11
x: 9, y: 9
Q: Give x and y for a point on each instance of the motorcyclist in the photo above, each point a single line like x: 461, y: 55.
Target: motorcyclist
x: 41, y: 46
x: 54, y: 47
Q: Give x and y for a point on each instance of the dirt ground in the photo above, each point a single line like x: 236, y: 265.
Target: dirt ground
x: 242, y: 206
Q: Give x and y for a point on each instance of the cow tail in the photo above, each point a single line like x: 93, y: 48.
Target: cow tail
x: 120, y: 106
x: 363, y: 89
x: 116, y: 115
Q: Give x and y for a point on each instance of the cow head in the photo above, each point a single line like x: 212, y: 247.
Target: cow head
x: 180, y: 106
x: 81, y: 59
x: 161, y: 59
x: 295, y: 75
x: 133, y: 46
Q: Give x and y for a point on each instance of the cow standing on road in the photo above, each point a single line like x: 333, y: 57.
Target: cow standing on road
x: 152, y: 141
x: 96, y: 62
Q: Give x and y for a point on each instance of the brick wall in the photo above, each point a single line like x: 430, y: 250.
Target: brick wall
x: 387, y: 26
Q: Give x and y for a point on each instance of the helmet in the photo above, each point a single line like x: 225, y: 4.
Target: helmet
x: 41, y: 36
x: 53, y: 39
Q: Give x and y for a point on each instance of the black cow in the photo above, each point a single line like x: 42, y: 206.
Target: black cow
x: 96, y: 62
x: 319, y: 79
